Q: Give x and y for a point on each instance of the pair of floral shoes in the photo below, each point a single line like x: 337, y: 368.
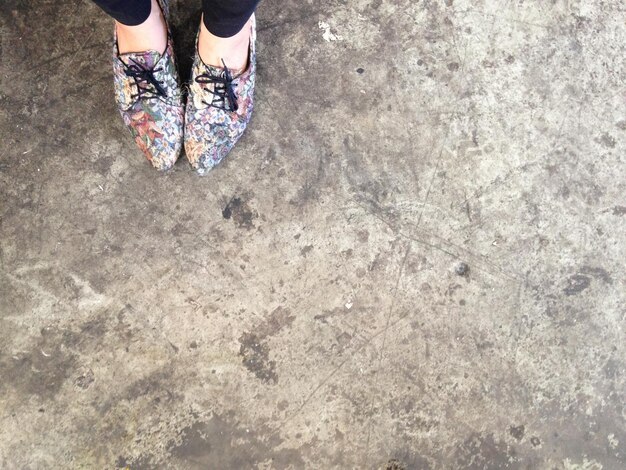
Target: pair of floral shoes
x: 150, y: 99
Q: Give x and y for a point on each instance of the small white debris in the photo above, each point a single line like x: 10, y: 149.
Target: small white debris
x: 327, y: 35
x: 349, y: 304
x: 101, y: 188
x: 43, y: 352
x: 24, y: 153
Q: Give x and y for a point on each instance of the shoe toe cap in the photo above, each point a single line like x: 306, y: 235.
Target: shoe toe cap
x: 208, y: 140
x: 158, y: 133
x: 163, y: 159
x: 204, y: 154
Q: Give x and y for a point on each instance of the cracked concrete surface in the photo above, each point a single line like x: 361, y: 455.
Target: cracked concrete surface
x: 413, y: 259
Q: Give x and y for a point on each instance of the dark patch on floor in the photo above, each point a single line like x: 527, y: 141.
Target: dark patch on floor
x: 278, y: 319
x: 222, y: 443
x: 240, y: 212
x: 517, y: 431
x: 255, y: 356
x: 42, y: 370
x: 598, y: 273
x: 254, y: 349
x: 576, y: 284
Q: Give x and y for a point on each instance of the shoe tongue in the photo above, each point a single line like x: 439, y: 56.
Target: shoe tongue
x: 147, y: 59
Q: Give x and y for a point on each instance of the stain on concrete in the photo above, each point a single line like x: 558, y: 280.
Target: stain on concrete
x: 121, y: 462
x: 239, y: 210
x: 613, y: 369
x: 255, y: 356
x: 219, y: 442
x: 576, y: 284
x: 462, y: 269
x: 337, y: 311
x: 276, y: 321
x: 254, y: 349
x: 42, y: 370
x: 517, y: 431
x: 598, y: 273
x: 156, y: 386
x: 607, y: 140
x: 305, y: 250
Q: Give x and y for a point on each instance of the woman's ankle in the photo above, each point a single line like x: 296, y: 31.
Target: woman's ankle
x: 233, y: 50
x: 149, y: 35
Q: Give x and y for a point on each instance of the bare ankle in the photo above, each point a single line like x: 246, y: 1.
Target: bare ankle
x: 149, y: 35
x: 233, y: 50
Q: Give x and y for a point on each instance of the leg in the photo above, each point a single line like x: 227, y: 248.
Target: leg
x: 146, y: 83
x: 139, y: 24
x: 225, y: 18
x: 222, y: 32
x: 131, y: 13
x: 223, y: 77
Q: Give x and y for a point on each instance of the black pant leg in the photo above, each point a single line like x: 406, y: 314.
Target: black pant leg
x: 128, y: 12
x: 225, y: 18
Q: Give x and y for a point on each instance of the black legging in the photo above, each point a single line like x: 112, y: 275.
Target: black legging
x: 223, y: 18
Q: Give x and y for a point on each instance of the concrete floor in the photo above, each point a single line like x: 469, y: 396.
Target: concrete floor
x: 414, y: 259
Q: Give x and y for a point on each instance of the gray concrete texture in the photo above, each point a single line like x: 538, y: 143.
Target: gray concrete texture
x: 414, y: 259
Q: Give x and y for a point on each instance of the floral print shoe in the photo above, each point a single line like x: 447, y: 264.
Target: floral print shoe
x: 219, y: 107
x: 148, y: 95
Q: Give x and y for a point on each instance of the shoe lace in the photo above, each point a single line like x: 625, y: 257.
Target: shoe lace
x: 223, y: 90
x: 147, y: 85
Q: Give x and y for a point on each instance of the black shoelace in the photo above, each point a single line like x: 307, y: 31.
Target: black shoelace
x: 147, y: 85
x: 223, y: 89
